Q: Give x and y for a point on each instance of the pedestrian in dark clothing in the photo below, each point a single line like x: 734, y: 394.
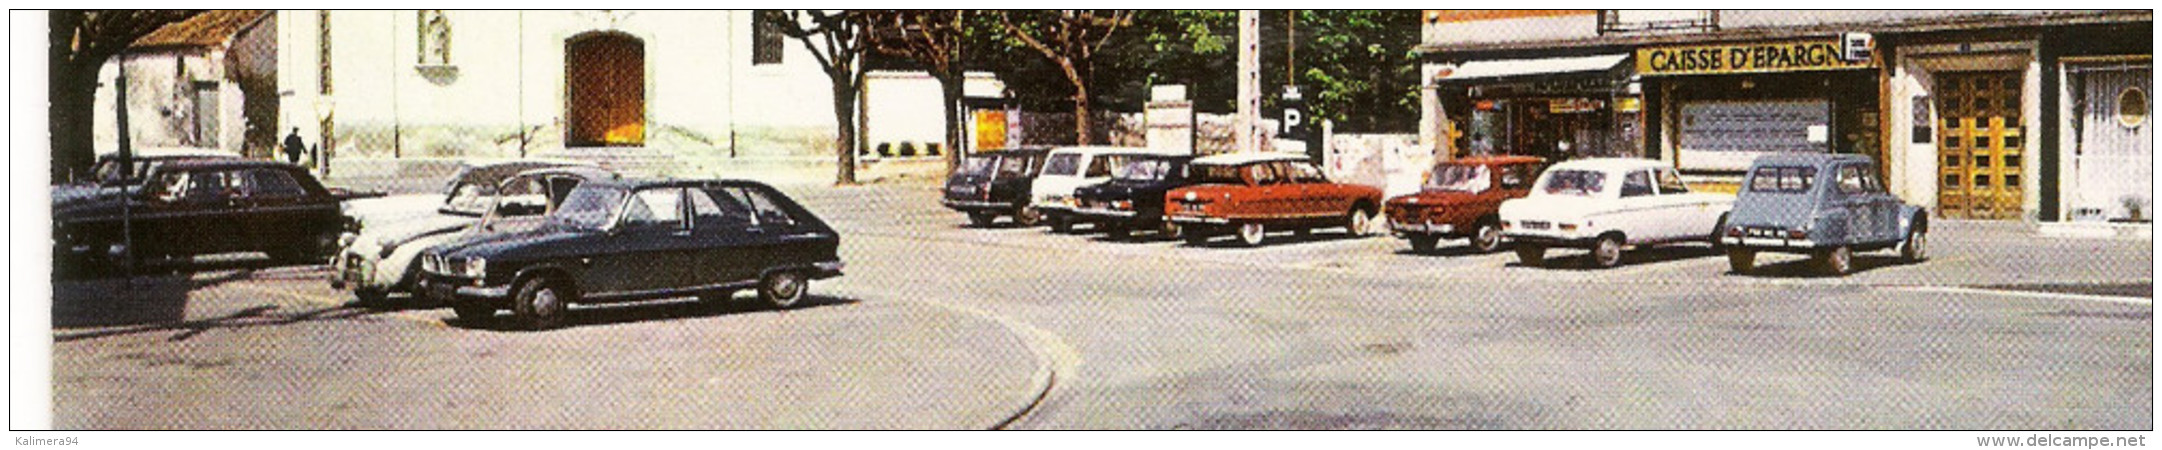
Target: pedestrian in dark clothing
x: 293, y: 146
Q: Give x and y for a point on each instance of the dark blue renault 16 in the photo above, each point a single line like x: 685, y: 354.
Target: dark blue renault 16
x: 1824, y: 205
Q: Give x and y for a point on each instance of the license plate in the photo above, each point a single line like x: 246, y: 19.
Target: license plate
x: 1536, y: 225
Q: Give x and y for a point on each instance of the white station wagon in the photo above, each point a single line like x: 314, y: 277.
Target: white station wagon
x: 1606, y: 204
x: 1069, y: 168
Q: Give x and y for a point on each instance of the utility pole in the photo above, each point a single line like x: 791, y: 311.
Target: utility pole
x: 127, y: 171
x: 1245, y: 135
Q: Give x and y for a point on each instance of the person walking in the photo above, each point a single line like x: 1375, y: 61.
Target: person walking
x: 293, y: 146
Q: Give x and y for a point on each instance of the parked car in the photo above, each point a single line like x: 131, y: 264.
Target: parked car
x: 107, y: 177
x: 1827, y: 206
x: 996, y: 183
x: 1134, y: 197
x: 1462, y: 199
x: 205, y: 206
x: 1606, y: 204
x: 1250, y: 192
x: 617, y: 240
x: 1069, y: 168
x: 464, y: 187
x: 378, y: 260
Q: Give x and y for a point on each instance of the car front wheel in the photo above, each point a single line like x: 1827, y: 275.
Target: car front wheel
x: 540, y: 304
x: 1837, y: 261
x: 1485, y: 237
x: 1251, y: 233
x: 1530, y: 254
x: 1027, y: 216
x: 782, y: 289
x: 1916, y: 247
x: 980, y: 219
x: 1059, y: 224
x: 1357, y: 222
x: 1741, y: 260
x: 1607, y: 252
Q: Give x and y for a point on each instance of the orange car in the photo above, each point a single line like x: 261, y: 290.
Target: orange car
x: 1461, y: 199
x: 1248, y: 193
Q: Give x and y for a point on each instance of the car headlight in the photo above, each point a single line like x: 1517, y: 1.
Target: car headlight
x: 476, y: 268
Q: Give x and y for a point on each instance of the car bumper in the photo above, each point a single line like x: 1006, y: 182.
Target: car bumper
x: 827, y: 269
x: 1203, y: 220
x: 975, y: 205
x: 358, y: 271
x: 1106, y: 213
x: 1551, y: 240
x: 457, y: 291
x: 1402, y: 229
x: 1775, y: 244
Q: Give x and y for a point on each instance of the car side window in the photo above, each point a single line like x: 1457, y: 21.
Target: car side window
x: 1850, y: 180
x: 1305, y: 173
x: 655, y: 209
x: 712, y: 208
x: 274, y: 183
x: 1010, y: 167
x: 1670, y: 183
x: 1099, y: 166
x: 208, y: 185
x: 766, y: 210
x: 1516, y: 176
x: 1264, y: 174
x: 1869, y: 179
x: 1637, y: 183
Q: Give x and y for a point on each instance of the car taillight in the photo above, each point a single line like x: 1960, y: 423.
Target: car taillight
x: 1568, y: 227
x: 985, y: 190
x: 1797, y: 234
x: 1734, y: 232
x: 1122, y: 205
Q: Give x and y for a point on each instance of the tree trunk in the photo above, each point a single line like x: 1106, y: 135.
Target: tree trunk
x: 73, y: 94
x: 956, y: 143
x: 844, y: 139
x: 1080, y: 101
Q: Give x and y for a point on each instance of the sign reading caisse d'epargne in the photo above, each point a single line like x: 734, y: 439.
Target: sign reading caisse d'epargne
x: 1751, y: 57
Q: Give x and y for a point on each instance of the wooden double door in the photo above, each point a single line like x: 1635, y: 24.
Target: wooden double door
x: 1983, y: 145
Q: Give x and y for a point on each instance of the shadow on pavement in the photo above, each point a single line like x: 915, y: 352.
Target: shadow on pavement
x: 1276, y: 238
x: 1452, y: 251
x: 1580, y: 260
x: 1808, y: 268
x: 647, y: 312
x: 251, y: 317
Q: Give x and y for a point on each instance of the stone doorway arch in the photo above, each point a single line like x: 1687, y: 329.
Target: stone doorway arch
x: 604, y: 76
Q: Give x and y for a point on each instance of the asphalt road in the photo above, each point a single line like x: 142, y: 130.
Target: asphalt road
x: 938, y: 325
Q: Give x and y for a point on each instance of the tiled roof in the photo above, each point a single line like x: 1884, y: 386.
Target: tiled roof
x: 207, y: 29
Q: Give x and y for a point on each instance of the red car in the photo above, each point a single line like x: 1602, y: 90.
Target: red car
x: 1248, y: 193
x: 1462, y: 199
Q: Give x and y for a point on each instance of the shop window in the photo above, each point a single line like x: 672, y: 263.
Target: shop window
x: 1951, y: 180
x: 1981, y: 160
x: 2009, y: 141
x: 1952, y: 160
x: 1981, y: 142
x: 2011, y: 160
x: 1981, y: 181
x: 2011, y: 180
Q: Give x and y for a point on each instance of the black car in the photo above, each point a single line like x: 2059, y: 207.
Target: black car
x: 206, y: 206
x: 1134, y: 197
x: 621, y: 240
x: 995, y: 183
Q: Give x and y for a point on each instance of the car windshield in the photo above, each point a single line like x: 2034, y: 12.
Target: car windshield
x: 1460, y: 178
x: 1782, y: 179
x: 1143, y: 170
x: 1583, y: 183
x: 1063, y: 164
x: 589, y: 207
x: 1210, y: 173
x: 468, y: 198
x: 976, y: 165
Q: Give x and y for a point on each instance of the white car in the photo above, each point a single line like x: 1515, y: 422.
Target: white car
x: 1069, y: 168
x: 375, y: 256
x: 1606, y: 204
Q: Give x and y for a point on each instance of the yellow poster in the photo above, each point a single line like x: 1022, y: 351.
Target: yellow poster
x: 990, y: 129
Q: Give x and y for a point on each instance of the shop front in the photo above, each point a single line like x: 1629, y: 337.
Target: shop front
x: 1717, y: 107
x: 1555, y: 108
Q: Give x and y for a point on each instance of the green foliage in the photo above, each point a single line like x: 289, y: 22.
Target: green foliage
x: 1356, y: 67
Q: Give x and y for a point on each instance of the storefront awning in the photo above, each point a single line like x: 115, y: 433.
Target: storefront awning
x: 1508, y: 68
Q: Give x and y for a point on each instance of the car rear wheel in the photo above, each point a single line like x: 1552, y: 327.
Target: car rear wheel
x: 1837, y: 261
x: 1485, y: 237
x: 1059, y: 224
x: 782, y: 289
x: 1116, y: 232
x: 1531, y: 254
x: 1251, y: 233
x: 1915, y: 247
x: 1741, y: 260
x: 540, y: 304
x: 1607, y: 252
x: 1027, y: 216
x: 1194, y: 236
x: 1358, y: 223
x: 1424, y: 243
x: 980, y: 219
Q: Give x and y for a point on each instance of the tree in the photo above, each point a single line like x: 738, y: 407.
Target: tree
x: 78, y: 43
x: 933, y: 39
x: 838, y: 40
x: 1357, y: 67
x: 1071, y: 40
